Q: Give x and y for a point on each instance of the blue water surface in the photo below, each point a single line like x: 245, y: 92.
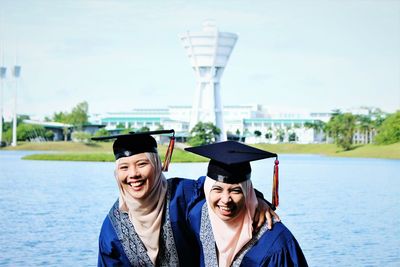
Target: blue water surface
x: 343, y: 211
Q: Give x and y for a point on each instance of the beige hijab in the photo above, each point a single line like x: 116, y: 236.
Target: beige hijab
x: 233, y: 235
x: 146, y: 214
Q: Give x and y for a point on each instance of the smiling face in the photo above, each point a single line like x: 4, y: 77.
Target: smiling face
x: 226, y: 200
x: 136, y: 174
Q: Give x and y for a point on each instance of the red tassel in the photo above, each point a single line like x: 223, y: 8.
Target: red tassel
x: 275, y: 185
x: 168, y: 154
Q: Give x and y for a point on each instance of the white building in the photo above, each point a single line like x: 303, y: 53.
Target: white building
x: 241, y: 122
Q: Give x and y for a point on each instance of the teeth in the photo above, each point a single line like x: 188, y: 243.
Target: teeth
x: 225, y: 208
x: 138, y: 183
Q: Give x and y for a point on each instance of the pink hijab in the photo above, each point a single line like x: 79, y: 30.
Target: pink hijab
x: 233, y: 235
x: 146, y: 214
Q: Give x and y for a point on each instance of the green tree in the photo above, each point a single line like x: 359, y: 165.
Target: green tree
x: 120, y: 125
x: 257, y: 133
x: 280, y: 134
x: 6, y: 125
x: 364, y: 125
x: 49, y: 135
x: 316, y: 125
x: 292, y: 137
x: 203, y: 133
x: 27, y: 132
x: 367, y: 124
x: 376, y: 115
x: 341, y: 128
x: 144, y: 129
x: 127, y: 131
x: 81, y: 137
x: 21, y: 118
x: 78, y: 116
x: 336, y: 112
x: 60, y: 117
x: 101, y: 132
x: 7, y: 135
x: 389, y: 132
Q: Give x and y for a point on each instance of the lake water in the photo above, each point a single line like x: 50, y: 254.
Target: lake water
x: 343, y: 211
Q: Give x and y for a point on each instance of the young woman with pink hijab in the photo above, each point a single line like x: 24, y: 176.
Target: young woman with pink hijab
x: 223, y: 221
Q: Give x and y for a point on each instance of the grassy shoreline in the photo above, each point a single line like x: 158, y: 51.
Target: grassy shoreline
x: 69, y: 151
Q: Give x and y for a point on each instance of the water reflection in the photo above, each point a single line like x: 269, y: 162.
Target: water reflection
x: 342, y: 211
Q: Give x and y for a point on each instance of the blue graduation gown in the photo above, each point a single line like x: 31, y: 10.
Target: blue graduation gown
x: 119, y: 245
x: 276, y: 247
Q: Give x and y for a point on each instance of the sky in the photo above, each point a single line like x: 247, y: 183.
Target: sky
x: 123, y: 54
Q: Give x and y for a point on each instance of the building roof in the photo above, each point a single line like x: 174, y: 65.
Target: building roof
x: 49, y: 124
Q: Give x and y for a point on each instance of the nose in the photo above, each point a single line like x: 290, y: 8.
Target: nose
x: 133, y: 172
x: 225, y: 197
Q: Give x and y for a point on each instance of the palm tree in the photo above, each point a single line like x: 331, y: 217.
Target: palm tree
x: 318, y: 126
x: 364, y: 127
x: 341, y: 128
x: 280, y: 134
x: 368, y: 124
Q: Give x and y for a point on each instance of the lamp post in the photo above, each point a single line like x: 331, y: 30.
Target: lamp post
x: 2, y: 77
x: 16, y: 74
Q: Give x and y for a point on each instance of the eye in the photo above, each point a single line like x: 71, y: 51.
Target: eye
x: 237, y: 190
x: 142, y: 163
x: 123, y: 167
x: 216, y: 189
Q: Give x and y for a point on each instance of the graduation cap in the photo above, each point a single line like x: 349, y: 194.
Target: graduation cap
x: 127, y: 145
x: 230, y: 163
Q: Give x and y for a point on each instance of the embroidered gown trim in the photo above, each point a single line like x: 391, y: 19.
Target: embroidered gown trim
x: 210, y: 248
x: 133, y: 246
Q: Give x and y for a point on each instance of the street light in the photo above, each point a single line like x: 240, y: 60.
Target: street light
x: 16, y: 74
x: 2, y: 78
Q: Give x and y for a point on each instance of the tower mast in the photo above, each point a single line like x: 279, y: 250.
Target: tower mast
x: 208, y: 52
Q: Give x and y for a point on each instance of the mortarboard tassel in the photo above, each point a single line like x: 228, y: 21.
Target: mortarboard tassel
x: 168, y: 154
x: 275, y: 184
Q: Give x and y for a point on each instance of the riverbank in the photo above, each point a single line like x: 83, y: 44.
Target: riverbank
x: 101, y: 151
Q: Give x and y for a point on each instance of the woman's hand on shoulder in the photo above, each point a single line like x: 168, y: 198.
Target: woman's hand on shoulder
x: 264, y: 211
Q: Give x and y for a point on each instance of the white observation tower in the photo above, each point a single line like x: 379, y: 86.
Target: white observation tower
x: 208, y: 52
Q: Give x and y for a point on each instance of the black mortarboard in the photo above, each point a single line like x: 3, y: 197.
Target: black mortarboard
x: 127, y: 145
x: 230, y: 162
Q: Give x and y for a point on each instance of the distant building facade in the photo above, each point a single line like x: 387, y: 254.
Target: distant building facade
x: 248, y: 123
